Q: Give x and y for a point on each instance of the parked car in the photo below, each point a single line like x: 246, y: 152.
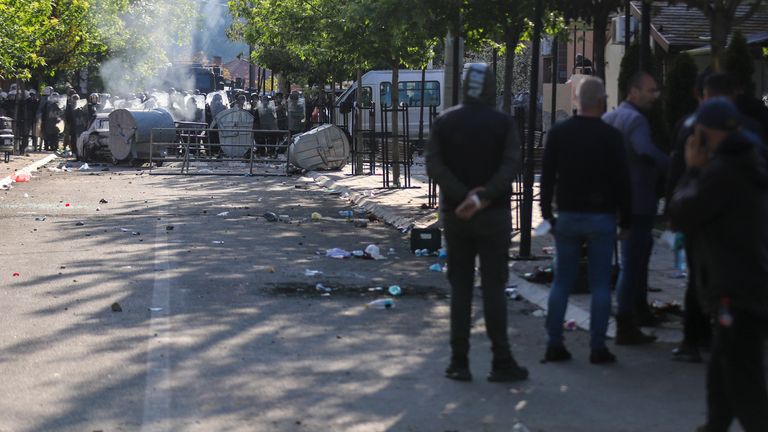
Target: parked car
x: 93, y: 144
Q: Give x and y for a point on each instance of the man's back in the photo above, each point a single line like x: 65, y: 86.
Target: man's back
x: 471, y: 140
x: 586, y: 160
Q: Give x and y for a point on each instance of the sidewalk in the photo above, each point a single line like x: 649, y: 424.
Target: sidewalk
x: 406, y: 208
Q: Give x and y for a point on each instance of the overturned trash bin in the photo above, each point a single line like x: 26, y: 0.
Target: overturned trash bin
x: 130, y: 133
x: 325, y: 148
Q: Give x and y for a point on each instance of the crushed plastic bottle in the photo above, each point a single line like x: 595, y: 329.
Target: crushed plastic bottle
x: 436, y: 268
x: 322, y: 288
x: 381, y: 304
x: 395, y: 290
x: 346, y: 214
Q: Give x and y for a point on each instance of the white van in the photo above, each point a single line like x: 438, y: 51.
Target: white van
x: 377, y: 89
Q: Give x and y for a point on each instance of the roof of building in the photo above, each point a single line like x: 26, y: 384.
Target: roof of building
x: 237, y: 67
x: 677, y: 27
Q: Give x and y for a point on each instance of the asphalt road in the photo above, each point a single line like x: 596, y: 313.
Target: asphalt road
x: 222, y: 330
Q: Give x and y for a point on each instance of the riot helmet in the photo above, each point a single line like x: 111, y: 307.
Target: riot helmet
x: 479, y: 84
x: 47, y: 91
x: 93, y: 98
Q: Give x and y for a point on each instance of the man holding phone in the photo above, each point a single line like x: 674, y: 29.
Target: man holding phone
x: 721, y: 204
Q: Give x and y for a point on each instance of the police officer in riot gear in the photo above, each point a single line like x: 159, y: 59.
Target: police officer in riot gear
x: 473, y: 154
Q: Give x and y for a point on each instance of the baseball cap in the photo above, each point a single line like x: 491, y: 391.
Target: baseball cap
x: 718, y: 113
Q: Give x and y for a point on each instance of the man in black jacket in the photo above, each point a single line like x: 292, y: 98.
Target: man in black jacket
x: 473, y: 155
x: 586, y: 172
x: 721, y: 204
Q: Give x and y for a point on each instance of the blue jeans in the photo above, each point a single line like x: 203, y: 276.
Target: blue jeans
x: 573, y: 230
x: 632, y: 287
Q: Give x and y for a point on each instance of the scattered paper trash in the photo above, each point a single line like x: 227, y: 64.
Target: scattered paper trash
x: 376, y: 289
x: 155, y: 309
x: 26, y: 195
x: 539, y: 313
x: 80, y: 223
x: 225, y: 213
x: 40, y: 218
x: 358, y: 254
x: 337, y: 253
x: 374, y: 252
x: 513, y: 294
x: 322, y: 288
x: 84, y: 167
x: 217, y: 242
x: 542, y: 229
x: 395, y: 290
x: 308, y: 272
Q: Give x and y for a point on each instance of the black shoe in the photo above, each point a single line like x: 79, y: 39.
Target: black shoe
x: 557, y: 354
x: 644, y: 317
x: 508, y: 374
x: 686, y: 353
x: 628, y: 333
x: 601, y: 356
x: 458, y: 373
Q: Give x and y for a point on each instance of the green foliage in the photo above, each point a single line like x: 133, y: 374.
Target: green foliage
x: 739, y: 62
x: 679, y: 88
x: 24, y: 23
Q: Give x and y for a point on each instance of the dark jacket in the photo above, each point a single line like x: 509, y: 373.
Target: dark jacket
x: 723, y: 208
x: 472, y: 145
x: 585, y: 170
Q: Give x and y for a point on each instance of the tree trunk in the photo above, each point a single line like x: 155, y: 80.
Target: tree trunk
x: 395, y: 124
x: 599, y: 29
x: 720, y: 27
x: 509, y: 70
x: 282, y: 85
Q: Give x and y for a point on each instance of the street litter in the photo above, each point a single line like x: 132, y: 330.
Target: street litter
x: 346, y: 213
x: 270, y: 217
x: 136, y: 233
x: 374, y: 252
x: 548, y: 250
x: 436, y: 268
x: 40, y: 218
x: 358, y: 254
x: 322, y: 288
x: 84, y: 167
x: 217, y: 242
x: 169, y: 227
x: 395, y: 290
x: 16, y: 274
x: 21, y: 177
x: 116, y: 307
x: 124, y: 229
x: 513, y: 294
x: 103, y: 201
x: 542, y: 229
x: 539, y: 313
x: 422, y: 252
x: 442, y: 253
x: 381, y: 304
x: 80, y: 223
x: 155, y: 309
x: 316, y: 216
x: 26, y: 195
x: 312, y: 272
x: 337, y: 253
x: 376, y: 289
x: 361, y: 223
x: 570, y: 325
x: 391, y: 251
x: 67, y: 205
x: 540, y: 275
x: 226, y: 213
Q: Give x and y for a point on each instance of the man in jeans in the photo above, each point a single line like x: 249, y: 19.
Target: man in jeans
x: 473, y: 154
x: 646, y: 163
x: 585, y: 171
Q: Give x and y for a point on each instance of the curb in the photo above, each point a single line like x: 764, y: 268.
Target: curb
x: 402, y: 223
x: 539, y: 295
x: 29, y: 168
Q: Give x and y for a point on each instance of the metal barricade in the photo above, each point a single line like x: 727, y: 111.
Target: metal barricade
x: 195, y: 146
x: 364, y: 143
x: 404, y: 147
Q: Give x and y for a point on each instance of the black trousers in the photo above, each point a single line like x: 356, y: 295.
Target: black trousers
x: 486, y: 235
x: 697, y: 329
x: 736, y: 375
